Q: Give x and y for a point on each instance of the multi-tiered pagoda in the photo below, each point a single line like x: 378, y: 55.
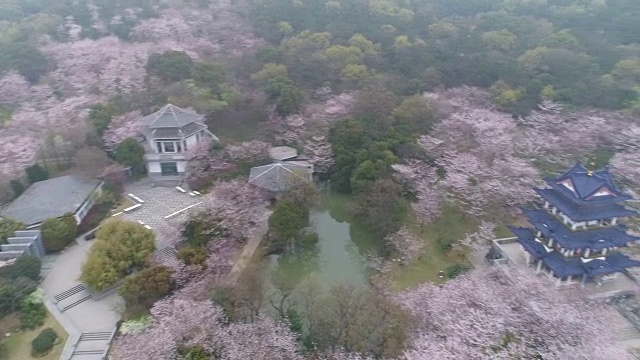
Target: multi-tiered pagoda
x: 576, y: 230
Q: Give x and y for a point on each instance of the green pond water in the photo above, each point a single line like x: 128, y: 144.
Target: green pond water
x: 339, y: 256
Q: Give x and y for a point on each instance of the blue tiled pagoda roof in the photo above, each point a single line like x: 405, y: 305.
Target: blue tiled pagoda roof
x: 572, y: 266
x: 527, y: 239
x: 583, y: 187
x: 584, y: 213
x: 595, y: 239
x: 622, y: 261
x: 599, y: 267
x: 562, y: 266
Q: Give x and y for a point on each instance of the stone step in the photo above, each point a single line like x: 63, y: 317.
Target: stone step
x: 628, y: 333
x: 95, y: 336
x: 68, y: 293
x: 76, y: 303
x: 88, y: 352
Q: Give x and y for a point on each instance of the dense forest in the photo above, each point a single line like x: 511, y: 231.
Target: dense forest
x: 430, y: 119
x: 577, y: 52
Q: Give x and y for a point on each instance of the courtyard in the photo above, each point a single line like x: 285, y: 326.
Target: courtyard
x: 90, y: 318
x: 159, y: 206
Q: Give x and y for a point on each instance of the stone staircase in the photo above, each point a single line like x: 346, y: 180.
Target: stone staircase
x: 92, y: 345
x: 628, y: 333
x: 71, y: 297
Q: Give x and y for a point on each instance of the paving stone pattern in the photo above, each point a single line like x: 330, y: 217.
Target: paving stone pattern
x: 158, y: 203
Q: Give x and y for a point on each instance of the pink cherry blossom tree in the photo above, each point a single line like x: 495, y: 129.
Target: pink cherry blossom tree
x: 405, y: 244
x: 627, y: 165
x: 422, y: 179
x: 122, y: 127
x: 248, y: 151
x: 482, y: 238
x: 476, y: 150
x: 179, y: 322
x: 498, y: 314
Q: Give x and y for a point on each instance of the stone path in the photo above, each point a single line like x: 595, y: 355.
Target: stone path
x: 249, y: 249
x: 159, y: 202
x: 73, y: 306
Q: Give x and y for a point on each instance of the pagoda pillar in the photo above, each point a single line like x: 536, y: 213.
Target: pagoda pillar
x: 539, y: 266
x: 587, y: 252
x: 584, y: 279
x: 614, y: 221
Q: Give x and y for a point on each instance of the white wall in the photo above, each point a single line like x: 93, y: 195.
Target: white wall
x: 182, y: 166
x: 191, y: 142
x: 153, y: 167
x: 82, y: 211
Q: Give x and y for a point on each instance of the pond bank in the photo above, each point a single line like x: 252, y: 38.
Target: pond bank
x: 340, y: 255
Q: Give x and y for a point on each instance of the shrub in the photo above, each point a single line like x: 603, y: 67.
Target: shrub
x: 121, y: 248
x: 8, y: 227
x: 202, y: 228
x: 43, y: 342
x: 4, y: 353
x: 147, y: 286
x: 58, y: 233
x: 17, y: 186
x: 36, y: 173
x: 130, y: 153
x: 135, y: 325
x: 32, y: 314
x: 27, y: 266
x: 193, y: 255
x: 195, y: 352
x: 456, y: 270
x: 12, y: 293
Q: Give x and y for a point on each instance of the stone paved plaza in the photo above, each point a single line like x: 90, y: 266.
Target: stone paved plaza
x: 159, y: 202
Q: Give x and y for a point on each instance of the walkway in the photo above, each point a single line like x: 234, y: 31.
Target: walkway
x: 158, y: 204
x: 76, y: 308
x: 249, y: 249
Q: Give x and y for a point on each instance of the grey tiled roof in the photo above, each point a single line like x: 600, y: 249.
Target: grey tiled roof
x: 282, y: 153
x: 171, y: 116
x: 277, y: 177
x: 50, y: 199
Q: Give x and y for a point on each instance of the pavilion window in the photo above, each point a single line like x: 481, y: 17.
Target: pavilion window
x: 169, y: 146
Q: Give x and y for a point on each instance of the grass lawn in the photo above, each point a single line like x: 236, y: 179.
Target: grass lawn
x: 451, y: 226
x: 19, y: 343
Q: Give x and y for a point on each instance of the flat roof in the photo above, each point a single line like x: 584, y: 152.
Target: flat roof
x: 282, y: 153
x: 50, y: 198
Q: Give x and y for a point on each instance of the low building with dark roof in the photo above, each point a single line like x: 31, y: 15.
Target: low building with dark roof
x: 54, y: 198
x: 169, y: 133
x: 23, y: 242
x: 279, y: 176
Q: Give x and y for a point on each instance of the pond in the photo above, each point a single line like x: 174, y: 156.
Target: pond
x: 339, y: 256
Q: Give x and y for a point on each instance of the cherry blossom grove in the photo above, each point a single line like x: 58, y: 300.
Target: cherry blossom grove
x: 85, y: 72
x: 422, y: 179
x: 180, y: 322
x: 496, y: 314
x: 475, y: 148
